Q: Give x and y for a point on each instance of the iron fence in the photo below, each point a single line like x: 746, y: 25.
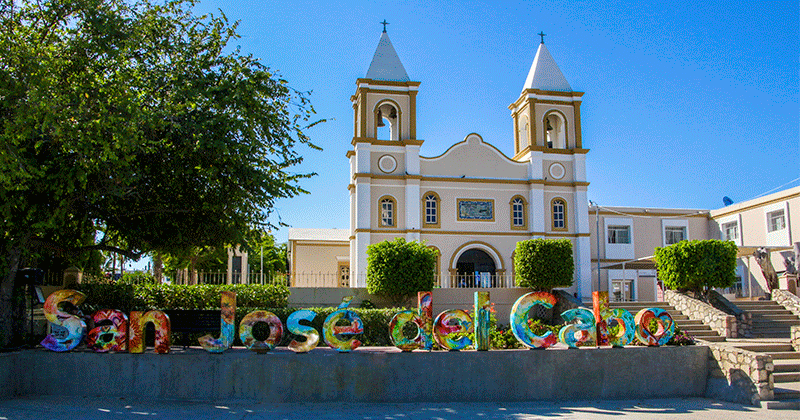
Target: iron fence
x: 331, y: 279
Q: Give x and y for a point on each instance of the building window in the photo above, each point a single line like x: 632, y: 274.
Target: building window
x: 730, y: 231
x: 431, y: 208
x: 619, y: 234
x: 387, y: 212
x: 518, y: 213
x: 776, y: 220
x: 674, y: 234
x: 559, y: 214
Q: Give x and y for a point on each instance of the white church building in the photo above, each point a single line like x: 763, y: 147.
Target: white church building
x: 473, y: 203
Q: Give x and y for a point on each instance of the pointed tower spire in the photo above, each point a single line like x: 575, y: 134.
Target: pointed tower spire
x: 386, y: 64
x: 545, y: 74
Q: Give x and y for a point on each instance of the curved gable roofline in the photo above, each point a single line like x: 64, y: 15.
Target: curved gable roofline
x: 479, y: 139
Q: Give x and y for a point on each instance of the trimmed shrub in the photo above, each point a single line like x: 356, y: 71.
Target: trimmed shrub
x: 543, y: 264
x: 697, y: 266
x: 397, y: 269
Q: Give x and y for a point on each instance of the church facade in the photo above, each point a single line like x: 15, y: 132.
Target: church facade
x: 472, y: 203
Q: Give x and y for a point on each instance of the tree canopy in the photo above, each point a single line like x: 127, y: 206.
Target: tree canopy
x: 140, y: 121
x: 697, y: 266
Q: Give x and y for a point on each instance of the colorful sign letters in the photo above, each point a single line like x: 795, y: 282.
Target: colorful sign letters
x: 451, y: 329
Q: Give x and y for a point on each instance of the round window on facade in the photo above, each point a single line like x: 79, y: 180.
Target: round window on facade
x: 557, y: 171
x: 387, y: 164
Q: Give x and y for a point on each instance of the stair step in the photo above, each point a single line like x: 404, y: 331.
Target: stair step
x: 700, y: 327
x: 777, y: 318
x: 712, y: 338
x: 777, y: 309
x: 782, y: 377
x: 786, y: 365
x: 765, y: 347
x: 702, y: 334
x: 785, y: 355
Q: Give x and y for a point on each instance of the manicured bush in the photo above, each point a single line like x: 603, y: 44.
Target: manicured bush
x: 398, y: 269
x: 697, y: 266
x: 543, y: 264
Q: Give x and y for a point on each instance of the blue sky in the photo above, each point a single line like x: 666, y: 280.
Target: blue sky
x: 685, y: 102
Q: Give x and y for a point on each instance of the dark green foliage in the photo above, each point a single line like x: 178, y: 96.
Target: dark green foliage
x: 146, y: 296
x: 697, y: 265
x: 543, y: 264
x: 142, y: 122
x: 136, y: 277
x: 398, y: 269
x: 376, y: 325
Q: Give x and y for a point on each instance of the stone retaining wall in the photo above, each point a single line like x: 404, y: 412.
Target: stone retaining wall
x: 795, y: 334
x: 787, y: 300
x: 726, y: 325
x: 739, y: 375
x: 365, y: 375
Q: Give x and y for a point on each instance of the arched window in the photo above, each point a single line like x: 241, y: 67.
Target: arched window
x: 388, y: 209
x: 559, y: 207
x: 519, y: 214
x: 523, y: 133
x: 555, y: 131
x: 431, y: 217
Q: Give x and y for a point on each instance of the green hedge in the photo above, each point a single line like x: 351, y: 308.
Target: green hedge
x: 376, y: 326
x: 141, y: 297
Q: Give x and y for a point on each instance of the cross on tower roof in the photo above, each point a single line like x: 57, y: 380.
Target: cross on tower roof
x: 384, y: 23
x: 542, y: 34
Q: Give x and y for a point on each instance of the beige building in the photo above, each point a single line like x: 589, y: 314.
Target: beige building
x: 473, y: 204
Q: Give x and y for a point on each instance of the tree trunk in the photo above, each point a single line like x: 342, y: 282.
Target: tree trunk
x: 192, y: 272
x: 12, y: 304
x: 158, y: 267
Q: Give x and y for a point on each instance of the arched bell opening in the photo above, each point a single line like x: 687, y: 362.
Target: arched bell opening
x: 387, y: 121
x: 555, y: 131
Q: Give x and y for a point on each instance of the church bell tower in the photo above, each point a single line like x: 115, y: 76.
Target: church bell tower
x: 385, y: 146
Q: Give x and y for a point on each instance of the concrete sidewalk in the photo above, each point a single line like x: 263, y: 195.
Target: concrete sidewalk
x: 43, y: 408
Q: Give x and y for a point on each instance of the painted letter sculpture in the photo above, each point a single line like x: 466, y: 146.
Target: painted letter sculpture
x: 336, y: 335
x: 483, y: 321
x: 310, y: 333
x: 113, y: 331
x: 519, y: 320
x: 66, y: 330
x: 423, y: 321
x: 110, y: 332
x: 226, y: 329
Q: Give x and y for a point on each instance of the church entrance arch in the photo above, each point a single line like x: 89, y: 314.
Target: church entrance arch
x: 476, y: 265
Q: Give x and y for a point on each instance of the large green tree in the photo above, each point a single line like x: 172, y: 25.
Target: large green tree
x: 137, y: 120
x: 697, y: 266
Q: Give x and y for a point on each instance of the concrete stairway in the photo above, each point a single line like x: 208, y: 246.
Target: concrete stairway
x: 770, y: 320
x: 786, y: 374
x: 695, y: 329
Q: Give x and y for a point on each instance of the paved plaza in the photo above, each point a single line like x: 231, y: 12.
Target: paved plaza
x: 45, y: 408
